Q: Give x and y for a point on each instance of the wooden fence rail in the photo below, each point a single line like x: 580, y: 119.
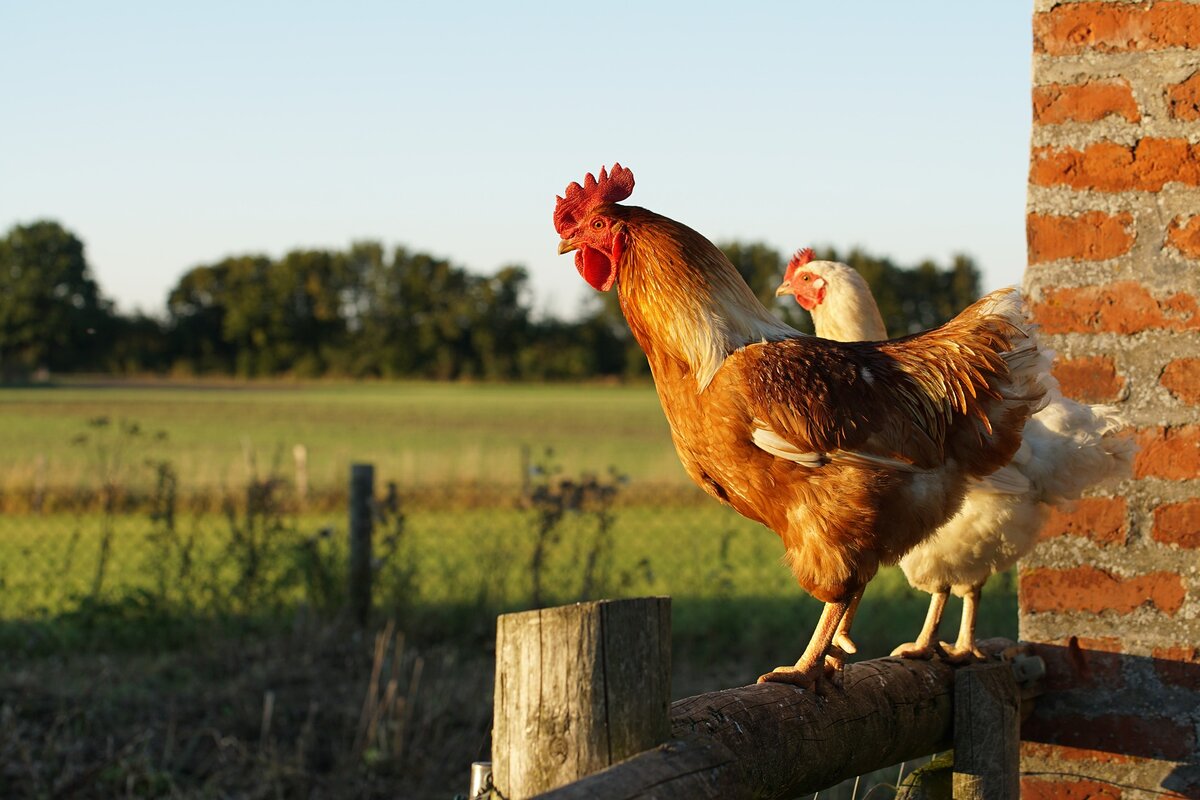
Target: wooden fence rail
x: 767, y: 740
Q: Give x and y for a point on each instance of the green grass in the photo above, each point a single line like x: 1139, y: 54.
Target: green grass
x: 415, y: 433
x: 460, y: 562
x: 452, y: 572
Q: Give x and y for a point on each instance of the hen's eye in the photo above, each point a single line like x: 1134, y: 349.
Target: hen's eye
x: 806, y: 277
x: 598, y: 224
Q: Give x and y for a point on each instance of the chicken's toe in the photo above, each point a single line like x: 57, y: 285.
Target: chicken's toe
x: 916, y: 650
x: 843, y: 641
x: 804, y: 677
x: 962, y: 655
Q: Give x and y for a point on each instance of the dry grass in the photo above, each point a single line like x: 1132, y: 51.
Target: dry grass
x: 322, y: 712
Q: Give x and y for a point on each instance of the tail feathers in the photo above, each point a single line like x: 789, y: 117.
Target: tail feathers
x: 1029, y: 363
x: 1075, y: 446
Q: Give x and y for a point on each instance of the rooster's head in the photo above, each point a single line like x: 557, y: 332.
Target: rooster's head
x: 803, y: 281
x: 585, y: 218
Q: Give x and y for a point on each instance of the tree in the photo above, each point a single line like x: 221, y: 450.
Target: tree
x: 51, y: 312
x: 912, y: 299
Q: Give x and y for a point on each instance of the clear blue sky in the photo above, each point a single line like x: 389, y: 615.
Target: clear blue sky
x: 167, y: 135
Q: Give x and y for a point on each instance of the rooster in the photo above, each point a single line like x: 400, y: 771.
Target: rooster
x: 1067, y: 447
x: 851, y: 453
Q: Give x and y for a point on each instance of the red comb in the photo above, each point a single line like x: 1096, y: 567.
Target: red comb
x: 801, y: 258
x: 612, y: 187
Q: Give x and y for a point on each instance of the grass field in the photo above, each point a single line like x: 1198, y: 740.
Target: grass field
x: 415, y: 433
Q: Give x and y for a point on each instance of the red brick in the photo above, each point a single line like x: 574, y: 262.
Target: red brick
x: 1042, y: 750
x: 1123, y: 307
x: 1181, y: 378
x: 1141, y: 736
x: 1091, y: 379
x: 1092, y: 590
x: 1178, y: 523
x: 1116, y: 27
x: 1183, y: 99
x: 1183, y: 233
x: 1050, y: 789
x: 1092, y: 236
x: 1178, y: 666
x: 1101, y: 519
x: 1171, y: 453
x: 1084, y: 102
x: 1110, y: 167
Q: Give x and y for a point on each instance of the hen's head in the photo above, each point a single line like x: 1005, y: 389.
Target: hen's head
x: 805, y: 279
x: 586, y: 219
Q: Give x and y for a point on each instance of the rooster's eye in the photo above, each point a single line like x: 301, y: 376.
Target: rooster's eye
x: 806, y: 277
x: 598, y: 224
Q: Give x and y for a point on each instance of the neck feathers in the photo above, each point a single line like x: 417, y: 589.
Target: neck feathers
x: 848, y: 313
x: 681, y: 295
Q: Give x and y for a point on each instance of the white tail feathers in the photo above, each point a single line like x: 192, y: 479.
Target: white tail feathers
x: 1075, y: 446
x: 1029, y: 363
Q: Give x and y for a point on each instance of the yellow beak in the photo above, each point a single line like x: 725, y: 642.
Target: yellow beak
x: 566, y: 246
x: 783, y: 289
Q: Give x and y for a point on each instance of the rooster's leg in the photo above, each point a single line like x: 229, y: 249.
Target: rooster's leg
x: 926, y: 644
x: 841, y: 639
x: 815, y: 663
x: 964, y: 650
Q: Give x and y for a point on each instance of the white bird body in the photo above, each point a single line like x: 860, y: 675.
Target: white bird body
x: 1066, y: 447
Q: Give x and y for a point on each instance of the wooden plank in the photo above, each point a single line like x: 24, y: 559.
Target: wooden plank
x: 362, y: 519
x: 987, y: 709
x: 578, y: 688
x: 776, y: 741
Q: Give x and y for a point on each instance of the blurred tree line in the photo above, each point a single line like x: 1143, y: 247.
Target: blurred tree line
x: 370, y: 312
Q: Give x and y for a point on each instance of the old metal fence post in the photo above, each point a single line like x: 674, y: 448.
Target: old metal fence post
x: 578, y: 688
x: 362, y: 517
x: 987, y: 720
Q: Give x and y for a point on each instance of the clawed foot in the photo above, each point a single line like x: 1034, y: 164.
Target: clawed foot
x: 962, y: 655
x: 811, y: 677
x: 918, y: 651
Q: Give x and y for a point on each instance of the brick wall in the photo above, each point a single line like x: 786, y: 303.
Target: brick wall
x: 1112, y: 595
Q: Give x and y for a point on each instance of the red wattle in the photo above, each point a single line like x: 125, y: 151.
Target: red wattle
x: 595, y: 268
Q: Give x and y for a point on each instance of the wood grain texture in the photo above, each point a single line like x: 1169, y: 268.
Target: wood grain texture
x: 578, y: 688
x: 987, y: 706
x: 777, y: 741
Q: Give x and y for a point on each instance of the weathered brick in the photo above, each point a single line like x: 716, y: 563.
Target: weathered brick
x: 1050, y: 789
x: 1183, y: 233
x: 1114, y: 27
x: 1171, y: 453
x: 1181, y: 378
x: 1100, y: 519
x: 1178, y: 523
x: 1090, y: 379
x: 1043, y: 750
x: 1092, y: 590
x: 1092, y: 236
x: 1183, y: 99
x: 1142, y: 736
x: 1110, y: 167
x: 1094, y: 662
x: 1054, y: 103
x: 1178, y: 666
x: 1123, y: 307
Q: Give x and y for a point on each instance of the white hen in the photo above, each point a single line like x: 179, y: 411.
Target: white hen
x: 1067, y: 447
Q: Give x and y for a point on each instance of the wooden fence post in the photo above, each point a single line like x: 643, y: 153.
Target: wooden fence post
x: 362, y: 520
x: 578, y: 688
x: 987, y: 733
